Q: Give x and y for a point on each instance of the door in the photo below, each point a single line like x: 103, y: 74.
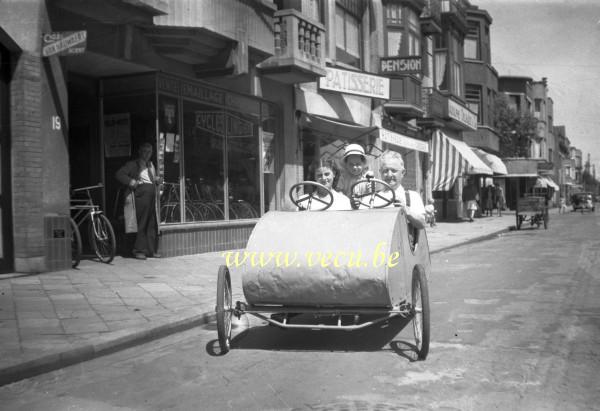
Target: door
x: 6, y: 240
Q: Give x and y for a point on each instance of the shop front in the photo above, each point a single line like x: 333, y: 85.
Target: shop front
x: 337, y: 111
x: 213, y: 148
x: 454, y: 166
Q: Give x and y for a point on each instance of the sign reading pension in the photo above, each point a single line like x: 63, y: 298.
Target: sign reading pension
x: 401, y: 65
x: 352, y: 82
x: 64, y: 43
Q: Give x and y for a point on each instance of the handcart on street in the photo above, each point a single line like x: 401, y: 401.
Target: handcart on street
x: 532, y: 209
x: 335, y: 270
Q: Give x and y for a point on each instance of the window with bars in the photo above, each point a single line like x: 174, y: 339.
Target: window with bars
x: 348, y: 33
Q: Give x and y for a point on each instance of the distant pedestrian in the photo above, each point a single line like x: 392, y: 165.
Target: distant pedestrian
x: 562, y: 206
x: 488, y: 200
x: 500, y: 202
x: 470, y: 198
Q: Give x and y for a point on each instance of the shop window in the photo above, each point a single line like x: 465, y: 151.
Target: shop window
x: 348, y: 36
x: 169, y: 159
x: 214, y: 149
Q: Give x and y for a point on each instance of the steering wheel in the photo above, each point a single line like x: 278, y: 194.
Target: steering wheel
x: 372, y: 193
x: 305, y: 201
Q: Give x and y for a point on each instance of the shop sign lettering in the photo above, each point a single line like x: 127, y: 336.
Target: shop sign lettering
x: 462, y: 114
x: 401, y: 65
x: 220, y: 123
x: 352, y: 82
x: 403, y: 141
x: 64, y: 43
x: 199, y: 92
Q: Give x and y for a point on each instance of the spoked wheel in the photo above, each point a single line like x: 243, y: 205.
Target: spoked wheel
x: 102, y: 238
x: 420, y: 304
x: 224, y: 308
x: 76, y: 247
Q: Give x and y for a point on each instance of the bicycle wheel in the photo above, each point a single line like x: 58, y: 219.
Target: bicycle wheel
x: 76, y: 246
x: 102, y: 238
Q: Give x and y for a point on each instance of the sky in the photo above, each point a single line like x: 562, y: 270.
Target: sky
x: 560, y: 40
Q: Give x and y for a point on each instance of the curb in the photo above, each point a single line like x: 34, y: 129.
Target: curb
x: 473, y: 240
x: 52, y: 362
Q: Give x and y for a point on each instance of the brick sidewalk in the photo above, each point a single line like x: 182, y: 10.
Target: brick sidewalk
x: 51, y: 320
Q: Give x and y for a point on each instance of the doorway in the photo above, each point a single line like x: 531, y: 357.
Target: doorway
x: 6, y: 239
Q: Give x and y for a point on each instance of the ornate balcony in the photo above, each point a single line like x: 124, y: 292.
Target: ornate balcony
x: 455, y: 11
x: 431, y: 17
x: 405, y: 96
x: 298, y: 49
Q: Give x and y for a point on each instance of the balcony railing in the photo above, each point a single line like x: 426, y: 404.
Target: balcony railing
x: 456, y: 11
x: 431, y: 17
x: 298, y: 49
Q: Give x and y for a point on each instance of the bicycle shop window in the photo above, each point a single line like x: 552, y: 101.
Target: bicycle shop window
x: 348, y: 31
x: 221, y: 161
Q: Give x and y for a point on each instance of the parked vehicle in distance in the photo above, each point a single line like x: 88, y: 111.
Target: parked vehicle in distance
x: 583, y: 201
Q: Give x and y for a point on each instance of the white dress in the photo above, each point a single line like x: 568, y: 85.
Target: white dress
x: 340, y: 202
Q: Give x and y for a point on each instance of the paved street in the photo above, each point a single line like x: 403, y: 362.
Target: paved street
x: 515, y: 326
x: 55, y: 319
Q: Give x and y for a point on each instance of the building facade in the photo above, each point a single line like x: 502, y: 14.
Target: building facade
x: 239, y: 100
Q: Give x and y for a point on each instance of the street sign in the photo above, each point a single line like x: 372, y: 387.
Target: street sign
x: 63, y: 43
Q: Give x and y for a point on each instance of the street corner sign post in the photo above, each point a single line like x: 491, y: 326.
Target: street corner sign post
x: 64, y: 43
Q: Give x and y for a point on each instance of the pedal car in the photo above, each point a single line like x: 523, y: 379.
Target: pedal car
x: 361, y: 267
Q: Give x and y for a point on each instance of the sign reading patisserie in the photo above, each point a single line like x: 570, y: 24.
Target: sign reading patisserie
x: 353, y: 82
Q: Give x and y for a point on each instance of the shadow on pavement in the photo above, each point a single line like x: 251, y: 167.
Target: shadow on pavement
x: 372, y: 338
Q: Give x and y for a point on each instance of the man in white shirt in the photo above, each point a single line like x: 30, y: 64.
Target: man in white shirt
x: 392, y: 172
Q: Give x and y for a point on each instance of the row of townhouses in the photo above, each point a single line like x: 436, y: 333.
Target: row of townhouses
x: 239, y: 99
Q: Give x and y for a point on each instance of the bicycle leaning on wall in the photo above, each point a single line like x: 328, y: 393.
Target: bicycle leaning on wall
x: 100, y: 231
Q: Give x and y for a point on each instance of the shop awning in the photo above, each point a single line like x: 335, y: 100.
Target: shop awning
x: 335, y: 127
x: 492, y: 161
x: 451, y: 159
x: 546, y: 182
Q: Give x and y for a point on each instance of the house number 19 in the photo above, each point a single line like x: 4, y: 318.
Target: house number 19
x: 56, y: 123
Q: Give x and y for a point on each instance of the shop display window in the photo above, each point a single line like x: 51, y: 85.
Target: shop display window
x: 214, y: 149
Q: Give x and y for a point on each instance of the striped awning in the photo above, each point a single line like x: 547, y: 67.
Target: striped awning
x: 497, y: 166
x: 451, y: 159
